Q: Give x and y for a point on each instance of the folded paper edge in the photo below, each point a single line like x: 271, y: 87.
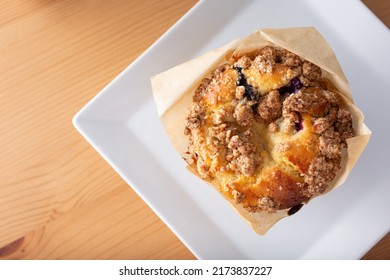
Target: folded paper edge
x: 211, y: 59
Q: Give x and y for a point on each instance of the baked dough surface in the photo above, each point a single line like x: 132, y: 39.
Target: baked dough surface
x: 267, y: 130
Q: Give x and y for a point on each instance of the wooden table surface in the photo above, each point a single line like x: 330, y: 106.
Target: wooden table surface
x: 58, y: 198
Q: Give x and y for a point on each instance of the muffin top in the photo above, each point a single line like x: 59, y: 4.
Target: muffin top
x: 267, y: 130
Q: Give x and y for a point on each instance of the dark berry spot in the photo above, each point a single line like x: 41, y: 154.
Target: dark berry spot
x: 250, y: 92
x: 296, y: 84
x: 294, y: 209
x: 299, y: 124
x: 238, y: 69
x: 293, y: 86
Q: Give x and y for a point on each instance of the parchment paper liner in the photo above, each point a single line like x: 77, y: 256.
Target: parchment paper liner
x: 173, y: 91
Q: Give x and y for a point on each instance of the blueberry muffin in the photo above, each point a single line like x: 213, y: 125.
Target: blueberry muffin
x: 268, y: 130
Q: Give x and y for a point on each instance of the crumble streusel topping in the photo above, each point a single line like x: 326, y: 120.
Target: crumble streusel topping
x: 268, y: 130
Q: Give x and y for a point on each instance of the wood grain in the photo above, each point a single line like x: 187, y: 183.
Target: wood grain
x: 58, y: 198
x: 54, y: 57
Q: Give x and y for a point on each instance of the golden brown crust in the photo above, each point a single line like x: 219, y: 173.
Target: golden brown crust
x: 267, y: 131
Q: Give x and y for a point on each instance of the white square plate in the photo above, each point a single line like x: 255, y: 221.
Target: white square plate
x: 121, y: 123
